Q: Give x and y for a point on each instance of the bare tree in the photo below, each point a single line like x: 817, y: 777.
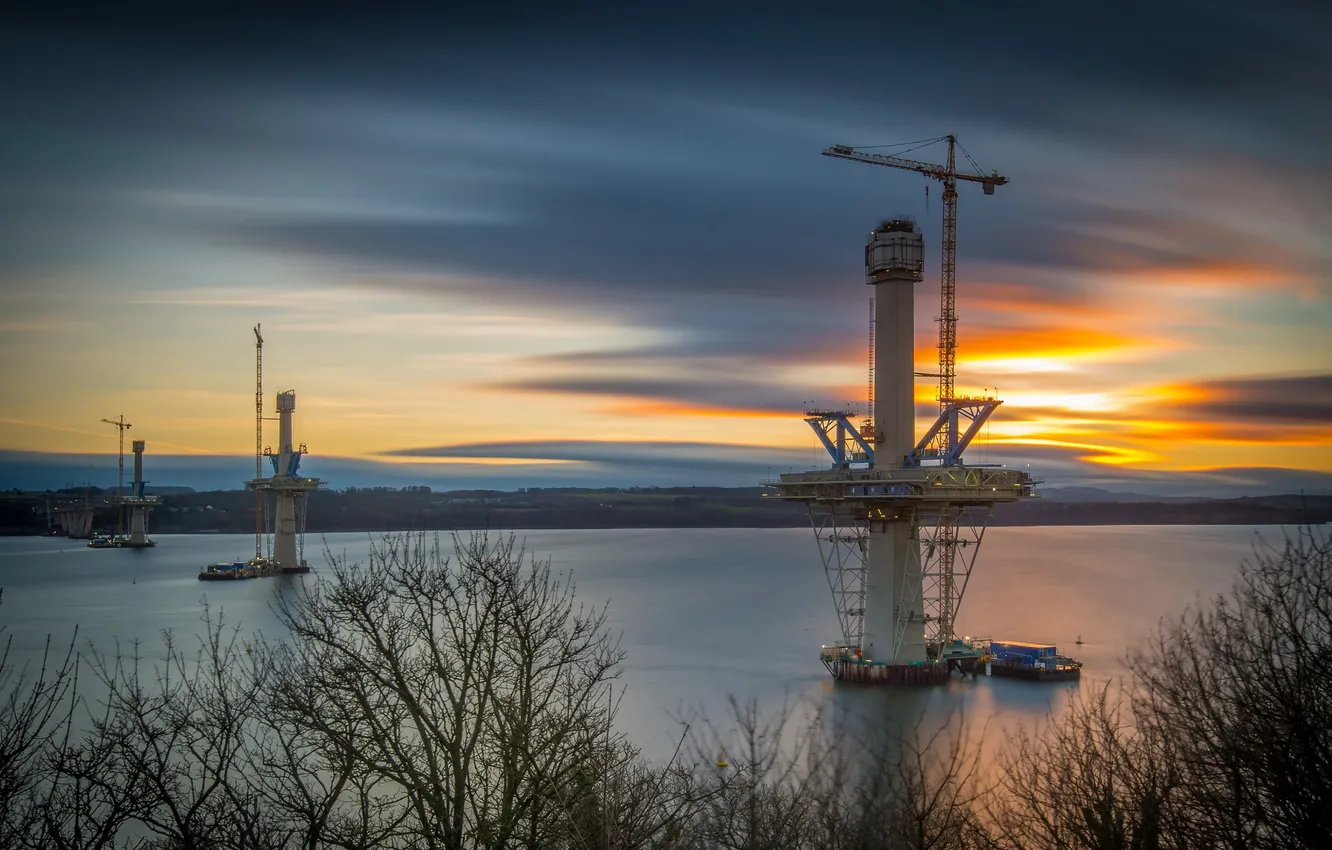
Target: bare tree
x: 813, y: 781
x: 177, y: 731
x: 467, y: 691
x: 1239, y: 691
x: 34, y: 709
x: 1087, y: 779
x: 763, y: 780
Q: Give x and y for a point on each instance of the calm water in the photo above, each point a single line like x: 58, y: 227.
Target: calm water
x: 705, y: 614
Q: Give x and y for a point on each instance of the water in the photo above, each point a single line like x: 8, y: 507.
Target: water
x: 704, y: 613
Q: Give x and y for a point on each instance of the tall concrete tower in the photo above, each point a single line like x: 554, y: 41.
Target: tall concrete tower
x: 287, y: 490
x: 138, y: 504
x: 894, y: 264
x: 898, y: 520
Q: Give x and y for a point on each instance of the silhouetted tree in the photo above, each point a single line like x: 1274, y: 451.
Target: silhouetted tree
x: 35, y: 702
x: 471, y: 690
x: 1239, y: 693
x: 1086, y: 779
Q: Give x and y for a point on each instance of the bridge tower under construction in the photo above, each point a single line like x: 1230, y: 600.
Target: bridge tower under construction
x: 898, y: 520
x: 139, y: 504
x: 285, y: 493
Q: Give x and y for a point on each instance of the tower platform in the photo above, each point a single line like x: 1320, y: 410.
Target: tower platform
x: 138, y: 507
x: 946, y: 508
x: 880, y: 490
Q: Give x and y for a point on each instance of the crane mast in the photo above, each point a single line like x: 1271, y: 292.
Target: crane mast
x: 258, y: 440
x: 120, y: 424
x: 948, y: 285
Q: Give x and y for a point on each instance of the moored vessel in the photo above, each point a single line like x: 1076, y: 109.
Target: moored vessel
x: 227, y: 571
x: 1037, y: 661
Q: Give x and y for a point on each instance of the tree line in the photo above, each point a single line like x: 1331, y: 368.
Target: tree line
x: 424, y: 701
x: 386, y: 509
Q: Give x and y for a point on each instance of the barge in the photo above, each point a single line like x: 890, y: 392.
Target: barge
x: 253, y: 568
x: 119, y: 541
x: 1036, y: 661
x: 229, y: 571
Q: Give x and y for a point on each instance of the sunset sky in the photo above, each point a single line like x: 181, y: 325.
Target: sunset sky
x: 503, y: 245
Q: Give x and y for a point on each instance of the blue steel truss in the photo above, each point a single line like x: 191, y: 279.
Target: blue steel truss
x: 843, y: 441
x: 957, y: 425
x: 943, y: 442
x: 293, y: 465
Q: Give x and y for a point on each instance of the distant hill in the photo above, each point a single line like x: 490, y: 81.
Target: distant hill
x: 389, y: 509
x: 1096, y: 494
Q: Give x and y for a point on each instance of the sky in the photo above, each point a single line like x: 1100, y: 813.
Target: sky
x: 595, y: 245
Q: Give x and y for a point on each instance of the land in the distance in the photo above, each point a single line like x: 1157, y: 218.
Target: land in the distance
x: 391, y: 509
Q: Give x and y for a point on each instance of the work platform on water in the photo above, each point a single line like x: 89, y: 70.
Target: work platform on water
x: 899, y: 520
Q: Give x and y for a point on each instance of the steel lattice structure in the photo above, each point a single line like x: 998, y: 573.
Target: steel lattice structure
x: 948, y: 508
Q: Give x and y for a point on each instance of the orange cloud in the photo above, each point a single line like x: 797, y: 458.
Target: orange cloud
x: 1092, y: 452
x: 1263, y: 418
x: 1212, y: 275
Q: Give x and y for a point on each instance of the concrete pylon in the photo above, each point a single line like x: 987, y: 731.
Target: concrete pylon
x: 894, y: 264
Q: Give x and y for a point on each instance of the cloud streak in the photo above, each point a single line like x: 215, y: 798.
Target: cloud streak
x: 555, y: 212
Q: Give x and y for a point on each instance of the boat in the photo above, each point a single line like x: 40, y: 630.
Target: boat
x: 102, y: 541
x: 1037, y: 661
x: 227, y: 571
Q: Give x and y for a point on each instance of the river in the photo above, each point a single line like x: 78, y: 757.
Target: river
x: 705, y: 614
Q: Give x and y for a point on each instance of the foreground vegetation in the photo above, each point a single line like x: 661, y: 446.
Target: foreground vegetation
x: 422, y: 702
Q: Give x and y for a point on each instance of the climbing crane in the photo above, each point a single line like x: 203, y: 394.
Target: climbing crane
x: 123, y: 426
x: 258, y: 440
x: 948, y: 175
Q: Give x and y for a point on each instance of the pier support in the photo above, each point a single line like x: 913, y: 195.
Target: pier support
x: 75, y: 522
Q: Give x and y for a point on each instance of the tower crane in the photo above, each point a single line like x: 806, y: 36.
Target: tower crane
x: 948, y: 175
x: 258, y: 440
x: 122, y: 425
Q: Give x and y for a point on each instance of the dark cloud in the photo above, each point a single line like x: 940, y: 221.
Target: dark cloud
x: 704, y: 391
x: 645, y: 453
x: 1279, y: 400
x: 829, y: 338
x: 635, y: 161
